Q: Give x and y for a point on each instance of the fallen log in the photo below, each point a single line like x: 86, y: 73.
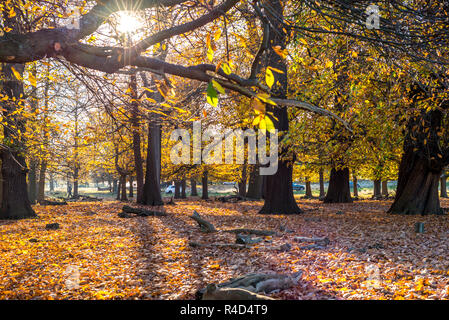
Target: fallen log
x: 142, y: 212
x: 170, y: 203
x: 83, y: 198
x: 52, y: 203
x: 324, y: 240
x: 205, y: 225
x: 219, y: 245
x: 252, y: 231
x: 241, y: 239
x: 212, y: 292
x: 235, y: 198
x: 318, y: 243
x: 254, y: 283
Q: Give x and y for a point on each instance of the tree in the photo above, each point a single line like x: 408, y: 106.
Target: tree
x: 15, y: 202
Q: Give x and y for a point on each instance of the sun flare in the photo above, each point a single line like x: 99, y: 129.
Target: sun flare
x: 128, y: 22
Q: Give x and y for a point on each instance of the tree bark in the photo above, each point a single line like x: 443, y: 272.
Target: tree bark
x: 183, y: 189
x: 52, y: 182
x: 193, y: 190
x: 443, y: 187
x: 384, y: 189
x: 204, y: 191
x: 119, y: 187
x: 308, y: 194
x: 417, y: 190
x: 422, y: 162
x: 41, y: 187
x: 355, y: 190
x: 135, y: 122
x: 338, y: 191
x: 123, y: 196
x: 254, y: 184
x: 15, y: 201
x: 242, y: 182
x: 32, y: 181
x: 177, y: 189
x: 75, y: 181
x: 279, y: 198
x: 322, y: 192
x: 131, y: 187
x: 151, y: 194
x: 377, y: 189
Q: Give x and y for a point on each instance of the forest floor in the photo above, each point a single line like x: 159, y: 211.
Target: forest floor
x: 97, y: 255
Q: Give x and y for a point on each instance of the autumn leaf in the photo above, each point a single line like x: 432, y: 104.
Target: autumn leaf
x: 212, y: 96
x: 16, y: 74
x: 269, y: 77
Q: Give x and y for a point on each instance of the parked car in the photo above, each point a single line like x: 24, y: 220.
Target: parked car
x: 170, y: 189
x: 298, y: 187
x: 351, y: 185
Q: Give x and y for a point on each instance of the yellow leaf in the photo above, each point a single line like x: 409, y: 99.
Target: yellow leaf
x: 16, y: 74
x: 280, y: 52
x: 218, y: 87
x: 266, y: 98
x: 275, y: 70
x: 225, y: 67
x: 269, y: 77
x: 217, y: 35
x: 12, y: 13
x: 32, y: 79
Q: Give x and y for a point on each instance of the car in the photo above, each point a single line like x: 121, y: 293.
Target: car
x: 351, y: 185
x: 298, y: 187
x: 170, y: 189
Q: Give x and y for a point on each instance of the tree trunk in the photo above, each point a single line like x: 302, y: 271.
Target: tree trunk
x: 254, y: 184
x: 417, y: 190
x: 177, y: 189
x: 119, y: 187
x: 242, y: 182
x: 123, y: 196
x: 183, y: 189
x: 443, y: 192
x: 338, y: 191
x: 131, y: 187
x: 75, y: 181
x: 32, y: 174
x: 151, y: 194
x: 114, y: 186
x: 308, y: 194
x: 135, y: 114
x: 193, y: 191
x: 41, y: 187
x: 355, y: 190
x: 69, y: 187
x: 377, y: 190
x: 385, y: 189
x: 279, y: 198
x: 52, y: 182
x: 205, y: 193
x: 32, y: 181
x: 322, y: 192
x: 15, y: 202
